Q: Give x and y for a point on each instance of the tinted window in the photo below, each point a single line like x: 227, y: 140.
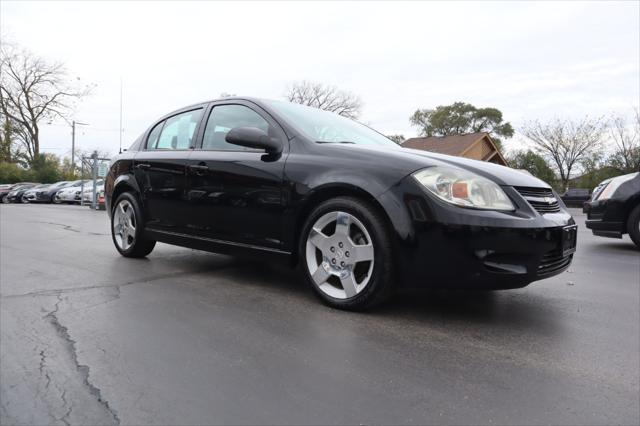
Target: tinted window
x: 328, y: 127
x: 152, y: 141
x: 224, y: 118
x: 177, y: 131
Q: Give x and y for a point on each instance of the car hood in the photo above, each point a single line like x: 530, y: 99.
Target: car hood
x: 411, y: 160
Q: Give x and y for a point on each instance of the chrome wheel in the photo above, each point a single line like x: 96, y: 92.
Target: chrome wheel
x: 339, y: 255
x: 124, y: 225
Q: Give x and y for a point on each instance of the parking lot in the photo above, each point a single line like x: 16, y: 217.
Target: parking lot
x: 187, y: 337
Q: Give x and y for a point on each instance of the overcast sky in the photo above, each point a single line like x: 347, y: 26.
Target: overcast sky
x: 530, y: 60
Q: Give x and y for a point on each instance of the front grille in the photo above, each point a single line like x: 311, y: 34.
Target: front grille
x: 541, y: 199
x: 553, y: 261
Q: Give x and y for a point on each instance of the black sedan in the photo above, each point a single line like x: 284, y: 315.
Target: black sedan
x: 614, y: 208
x: 360, y: 214
x: 47, y: 194
x: 576, y: 197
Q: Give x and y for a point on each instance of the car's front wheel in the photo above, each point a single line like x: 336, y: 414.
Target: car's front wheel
x: 346, y: 253
x: 127, y: 227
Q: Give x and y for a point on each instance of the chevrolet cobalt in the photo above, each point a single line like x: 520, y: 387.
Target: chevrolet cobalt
x: 361, y: 215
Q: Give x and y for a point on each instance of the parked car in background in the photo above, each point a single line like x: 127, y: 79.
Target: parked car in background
x: 87, y: 195
x: 30, y: 193
x: 614, y: 208
x: 70, y: 194
x: 46, y: 195
x: 15, y: 195
x: 362, y: 215
x: 9, y: 187
x: 576, y: 197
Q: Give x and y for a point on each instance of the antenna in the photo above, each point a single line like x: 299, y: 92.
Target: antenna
x: 120, y: 128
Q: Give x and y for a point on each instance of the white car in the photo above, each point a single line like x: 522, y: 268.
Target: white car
x: 69, y: 195
x: 87, y: 195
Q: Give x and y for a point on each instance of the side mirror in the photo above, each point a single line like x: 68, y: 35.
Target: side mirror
x: 252, y: 137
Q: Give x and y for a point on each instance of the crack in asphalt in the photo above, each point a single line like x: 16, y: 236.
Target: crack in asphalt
x: 82, y: 369
x: 59, y: 291
x: 43, y: 359
x: 65, y: 418
x: 65, y: 227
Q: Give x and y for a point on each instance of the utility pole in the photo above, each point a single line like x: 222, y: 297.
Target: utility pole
x: 73, y: 143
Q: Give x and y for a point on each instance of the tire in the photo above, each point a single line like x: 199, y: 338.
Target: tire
x: 127, y: 227
x: 633, y: 225
x: 329, y: 253
x: 5, y: 199
x: 24, y: 200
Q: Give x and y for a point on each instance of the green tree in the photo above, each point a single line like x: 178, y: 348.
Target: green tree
x: 12, y: 173
x: 46, y: 168
x: 461, y: 118
x: 534, y: 164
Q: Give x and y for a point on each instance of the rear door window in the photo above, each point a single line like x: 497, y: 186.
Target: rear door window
x: 176, y: 132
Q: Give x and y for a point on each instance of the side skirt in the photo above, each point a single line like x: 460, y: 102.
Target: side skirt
x: 219, y: 246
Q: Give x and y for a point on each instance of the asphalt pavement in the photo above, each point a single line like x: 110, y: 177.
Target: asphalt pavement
x: 187, y: 337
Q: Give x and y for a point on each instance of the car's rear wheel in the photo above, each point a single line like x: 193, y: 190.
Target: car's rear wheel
x: 346, y: 254
x: 5, y: 200
x: 23, y: 200
x: 633, y: 225
x: 127, y: 227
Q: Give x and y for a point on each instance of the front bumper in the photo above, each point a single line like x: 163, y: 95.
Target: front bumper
x: 440, y: 245
x: 604, y: 218
x: 68, y: 198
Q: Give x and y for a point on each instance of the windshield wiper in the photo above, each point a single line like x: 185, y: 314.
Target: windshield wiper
x: 348, y: 142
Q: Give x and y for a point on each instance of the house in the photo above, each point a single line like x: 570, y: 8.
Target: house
x: 477, y: 146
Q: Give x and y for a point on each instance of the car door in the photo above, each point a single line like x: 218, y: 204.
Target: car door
x: 160, y: 170
x: 235, y: 193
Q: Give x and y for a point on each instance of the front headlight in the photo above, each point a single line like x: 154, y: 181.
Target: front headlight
x: 613, y: 186
x: 463, y: 188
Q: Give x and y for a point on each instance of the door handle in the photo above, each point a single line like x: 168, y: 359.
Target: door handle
x: 143, y: 166
x: 198, y: 168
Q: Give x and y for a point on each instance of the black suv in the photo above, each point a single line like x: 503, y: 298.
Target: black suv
x: 360, y: 214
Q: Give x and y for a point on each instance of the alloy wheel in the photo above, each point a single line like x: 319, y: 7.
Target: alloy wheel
x: 124, y: 225
x: 339, y: 255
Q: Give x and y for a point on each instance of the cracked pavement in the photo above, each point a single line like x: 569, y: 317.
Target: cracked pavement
x: 186, y: 337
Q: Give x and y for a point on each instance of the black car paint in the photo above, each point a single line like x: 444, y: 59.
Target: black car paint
x: 608, y: 218
x: 255, y: 203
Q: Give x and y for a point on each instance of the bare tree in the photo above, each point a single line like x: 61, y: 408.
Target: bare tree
x: 397, y: 138
x: 328, y: 98
x: 627, y: 140
x: 565, y: 142
x: 32, y: 90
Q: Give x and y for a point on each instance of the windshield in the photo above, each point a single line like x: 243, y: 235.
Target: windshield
x: 327, y: 127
